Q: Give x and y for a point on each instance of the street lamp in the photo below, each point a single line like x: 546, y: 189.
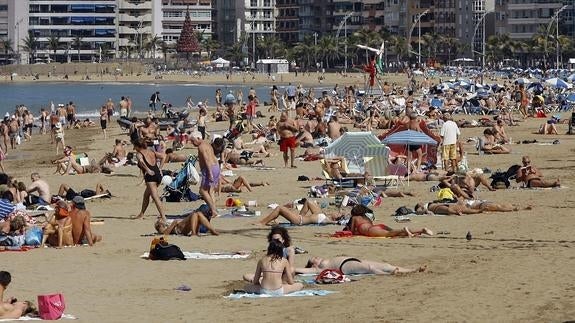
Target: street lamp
x: 418, y: 22
x: 554, y: 18
x: 343, y: 24
x: 482, y: 19
x: 17, y: 43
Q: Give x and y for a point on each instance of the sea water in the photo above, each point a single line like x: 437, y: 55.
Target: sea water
x: 89, y: 97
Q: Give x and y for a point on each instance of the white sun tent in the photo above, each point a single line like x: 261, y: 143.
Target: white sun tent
x: 273, y: 66
x: 220, y: 62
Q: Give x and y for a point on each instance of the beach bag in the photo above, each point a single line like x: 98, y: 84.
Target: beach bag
x: 160, y: 249
x: 51, y: 307
x: 331, y: 276
x: 401, y: 211
x: 193, y: 175
x: 33, y: 236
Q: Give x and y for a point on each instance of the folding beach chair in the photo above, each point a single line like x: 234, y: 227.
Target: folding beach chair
x: 344, y: 182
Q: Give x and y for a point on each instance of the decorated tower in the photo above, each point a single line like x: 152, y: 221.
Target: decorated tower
x: 188, y: 42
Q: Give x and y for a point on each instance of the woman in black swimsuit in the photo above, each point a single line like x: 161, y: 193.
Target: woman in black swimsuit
x: 354, y: 266
x: 147, y: 162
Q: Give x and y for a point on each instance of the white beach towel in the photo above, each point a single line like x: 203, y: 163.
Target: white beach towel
x: 201, y: 255
x: 301, y: 293
x: 28, y: 318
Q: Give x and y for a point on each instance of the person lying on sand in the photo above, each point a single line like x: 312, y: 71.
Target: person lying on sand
x: 280, y: 234
x: 190, y: 225
x: 271, y: 272
x: 315, y: 215
x: 431, y: 208
x: 354, y: 266
x: 532, y: 176
x: 360, y: 224
x: 16, y: 310
x: 488, y: 206
x: 237, y: 184
x: 66, y: 192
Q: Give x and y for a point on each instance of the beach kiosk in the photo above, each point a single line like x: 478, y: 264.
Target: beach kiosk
x: 273, y: 66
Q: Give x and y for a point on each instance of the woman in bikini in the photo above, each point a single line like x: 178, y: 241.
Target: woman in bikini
x: 58, y: 230
x: 190, y: 225
x: 354, y: 266
x: 431, y: 208
x: 280, y: 234
x: 147, y: 162
x: 301, y: 218
x: 360, y: 224
x: 271, y: 273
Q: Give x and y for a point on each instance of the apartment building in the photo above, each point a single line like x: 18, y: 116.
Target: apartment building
x: 522, y: 19
x: 373, y: 14
x: 313, y: 18
x: 135, y: 26
x: 287, y: 20
x: 395, y: 17
x: 170, y: 18
x: 82, y: 28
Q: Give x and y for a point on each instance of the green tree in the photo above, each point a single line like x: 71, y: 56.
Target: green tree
x: 365, y: 37
x: 30, y: 46
x: 7, y: 47
x: 54, y: 44
x: 236, y: 53
x: 209, y: 45
x: 305, y: 52
x: 151, y: 44
x: 328, y: 50
x: 399, y: 46
x: 165, y: 49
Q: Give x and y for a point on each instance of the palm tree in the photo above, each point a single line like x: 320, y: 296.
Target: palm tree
x: 449, y: 45
x: 7, y: 46
x: 106, y: 49
x: 270, y: 46
x: 236, y: 53
x: 77, y: 41
x: 328, y: 49
x: 209, y: 46
x: 30, y: 45
x: 165, y: 48
x: 54, y: 44
x: 399, y: 45
x: 365, y: 37
x: 151, y: 43
x: 304, y: 52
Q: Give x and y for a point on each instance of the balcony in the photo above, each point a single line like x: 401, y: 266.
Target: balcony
x: 521, y: 35
x: 127, y: 17
x: 528, y: 21
x: 131, y: 31
x: 533, y: 6
x: 126, y: 4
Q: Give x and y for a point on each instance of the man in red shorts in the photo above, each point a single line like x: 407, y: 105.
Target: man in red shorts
x: 287, y: 129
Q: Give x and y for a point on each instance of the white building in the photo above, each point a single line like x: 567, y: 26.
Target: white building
x: 80, y: 27
x: 170, y: 18
x: 135, y: 27
x: 259, y: 21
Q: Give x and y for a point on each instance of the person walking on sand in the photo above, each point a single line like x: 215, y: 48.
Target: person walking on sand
x: 210, y: 170
x: 147, y: 162
x: 154, y: 100
x: 288, y: 141
x: 104, y: 120
x: 59, y: 136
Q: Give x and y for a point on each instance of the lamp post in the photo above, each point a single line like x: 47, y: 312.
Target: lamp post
x: 17, y: 43
x: 315, y: 50
x: 482, y: 19
x: 555, y: 17
x: 418, y: 22
x: 254, y: 43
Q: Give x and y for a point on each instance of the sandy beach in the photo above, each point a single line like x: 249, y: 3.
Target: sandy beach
x: 517, y: 267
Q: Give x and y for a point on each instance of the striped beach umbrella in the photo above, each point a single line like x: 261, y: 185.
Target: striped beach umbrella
x: 353, y: 146
x: 376, y: 160
x: 409, y: 137
x: 558, y: 83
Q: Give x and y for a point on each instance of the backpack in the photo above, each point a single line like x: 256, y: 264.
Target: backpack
x: 403, y: 211
x: 160, y: 249
x: 500, y: 180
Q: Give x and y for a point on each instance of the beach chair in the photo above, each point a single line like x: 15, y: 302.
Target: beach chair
x: 377, y: 167
x: 339, y: 183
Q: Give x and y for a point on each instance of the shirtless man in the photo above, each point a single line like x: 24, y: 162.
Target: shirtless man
x: 304, y: 138
x: 13, y: 128
x: 333, y: 128
x: 39, y: 185
x: 499, y: 132
x: 70, y: 114
x: 532, y: 176
x: 287, y: 129
x: 148, y: 131
x: 81, y: 228
x: 210, y: 170
x: 62, y: 114
x: 110, y: 106
x: 54, y: 119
